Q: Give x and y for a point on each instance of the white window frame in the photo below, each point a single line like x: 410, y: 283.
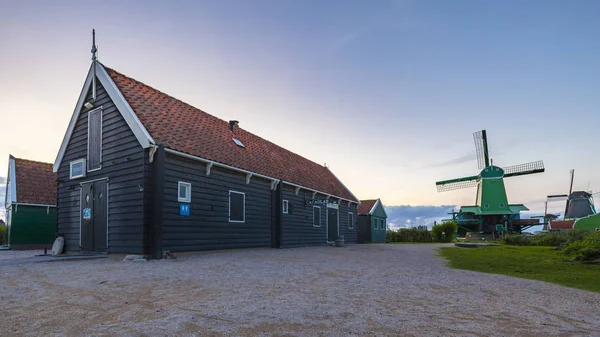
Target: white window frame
x: 350, y: 220
x: 243, y: 207
x: 285, y: 206
x: 313, y: 216
x: 188, y: 197
x: 101, y: 138
x: 376, y: 221
x: 81, y: 161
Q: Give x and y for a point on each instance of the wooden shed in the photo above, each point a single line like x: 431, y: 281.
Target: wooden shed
x: 142, y: 172
x: 30, y: 203
x: 372, y: 221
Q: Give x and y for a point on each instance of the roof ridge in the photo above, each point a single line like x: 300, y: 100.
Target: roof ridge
x: 32, y: 161
x: 160, y: 113
x: 212, y: 116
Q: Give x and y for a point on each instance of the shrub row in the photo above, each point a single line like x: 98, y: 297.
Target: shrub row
x: 576, y: 244
x: 444, y: 232
x: 551, y: 239
x: 586, y: 249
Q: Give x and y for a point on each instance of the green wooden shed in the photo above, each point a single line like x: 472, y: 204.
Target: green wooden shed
x: 30, y: 203
x: 372, y: 221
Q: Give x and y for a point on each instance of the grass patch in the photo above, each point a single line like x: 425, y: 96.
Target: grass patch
x: 529, y: 262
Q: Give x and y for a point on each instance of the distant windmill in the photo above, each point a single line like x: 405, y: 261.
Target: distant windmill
x: 491, y: 203
x: 578, y: 204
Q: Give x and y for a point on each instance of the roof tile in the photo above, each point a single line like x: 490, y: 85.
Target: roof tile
x: 366, y: 206
x: 182, y: 127
x: 36, y: 183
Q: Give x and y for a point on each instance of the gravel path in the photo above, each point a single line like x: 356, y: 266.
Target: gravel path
x: 357, y: 290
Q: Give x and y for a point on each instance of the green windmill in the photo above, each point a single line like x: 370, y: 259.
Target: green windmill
x: 491, y: 210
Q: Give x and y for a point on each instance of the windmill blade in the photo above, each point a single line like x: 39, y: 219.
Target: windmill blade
x: 455, y: 184
x: 483, y: 159
x: 523, y: 169
x: 557, y: 197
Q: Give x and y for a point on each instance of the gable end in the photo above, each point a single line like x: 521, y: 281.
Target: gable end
x: 140, y: 132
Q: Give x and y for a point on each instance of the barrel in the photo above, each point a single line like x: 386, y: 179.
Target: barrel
x: 339, y: 241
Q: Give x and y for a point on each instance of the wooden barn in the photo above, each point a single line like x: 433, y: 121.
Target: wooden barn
x: 372, y: 221
x: 30, y: 204
x: 142, y: 172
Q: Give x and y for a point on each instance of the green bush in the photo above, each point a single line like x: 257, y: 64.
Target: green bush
x: 408, y: 235
x: 517, y: 240
x: 2, y: 234
x: 444, y: 232
x: 587, y: 249
x: 556, y: 239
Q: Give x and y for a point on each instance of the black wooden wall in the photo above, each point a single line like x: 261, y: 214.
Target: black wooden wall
x: 297, y: 226
x: 123, y: 164
x: 208, y: 227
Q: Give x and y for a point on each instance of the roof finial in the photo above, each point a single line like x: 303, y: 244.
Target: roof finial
x: 94, y: 48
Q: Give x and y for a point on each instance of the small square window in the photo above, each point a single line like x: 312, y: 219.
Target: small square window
x: 238, y: 142
x: 285, y: 207
x: 77, y: 169
x: 184, y: 193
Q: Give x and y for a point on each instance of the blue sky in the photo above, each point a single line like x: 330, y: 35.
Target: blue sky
x: 387, y: 93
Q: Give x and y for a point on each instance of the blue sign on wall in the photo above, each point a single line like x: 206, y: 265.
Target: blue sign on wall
x: 87, y: 213
x: 184, y: 209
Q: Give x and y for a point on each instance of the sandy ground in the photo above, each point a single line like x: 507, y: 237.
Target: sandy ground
x: 375, y: 290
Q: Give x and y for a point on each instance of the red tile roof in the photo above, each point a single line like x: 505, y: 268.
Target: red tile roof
x: 561, y: 225
x: 366, y: 206
x: 36, y: 183
x: 182, y: 127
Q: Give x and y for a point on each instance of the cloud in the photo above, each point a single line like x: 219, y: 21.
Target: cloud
x: 346, y: 39
x: 412, y: 216
x: 2, y: 180
x: 463, y: 159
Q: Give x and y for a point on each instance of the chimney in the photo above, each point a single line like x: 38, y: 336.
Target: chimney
x: 233, y: 126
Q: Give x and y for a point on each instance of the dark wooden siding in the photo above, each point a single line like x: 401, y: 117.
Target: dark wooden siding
x: 297, y: 226
x: 207, y: 226
x: 123, y: 164
x: 350, y: 234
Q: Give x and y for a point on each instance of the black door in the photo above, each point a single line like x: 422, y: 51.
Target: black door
x: 93, y: 216
x: 332, y: 224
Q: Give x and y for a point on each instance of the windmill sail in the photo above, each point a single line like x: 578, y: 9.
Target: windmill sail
x: 523, y: 169
x: 483, y: 158
x: 455, y: 184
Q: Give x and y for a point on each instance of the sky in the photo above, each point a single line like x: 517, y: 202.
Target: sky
x: 386, y: 93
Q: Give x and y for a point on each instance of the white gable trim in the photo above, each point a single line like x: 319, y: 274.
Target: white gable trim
x: 11, y: 183
x: 140, y: 132
x: 115, y: 95
x: 378, y: 201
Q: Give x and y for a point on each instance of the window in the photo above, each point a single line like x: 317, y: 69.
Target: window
x: 486, y: 206
x: 382, y: 225
x: 501, y: 205
x: 237, y: 206
x: 285, y: 207
x: 184, y: 192
x: 316, y: 216
x: 77, y: 169
x: 238, y: 142
x: 374, y: 223
x: 350, y: 220
x: 94, y: 157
